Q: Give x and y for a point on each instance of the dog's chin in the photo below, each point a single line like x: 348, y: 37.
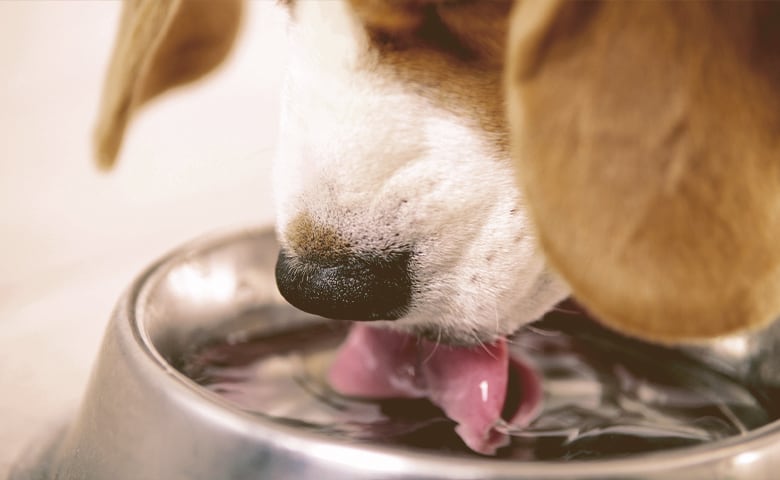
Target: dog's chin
x: 460, y: 330
x: 452, y: 337
x: 442, y: 333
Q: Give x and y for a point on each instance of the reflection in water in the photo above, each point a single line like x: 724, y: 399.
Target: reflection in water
x: 605, y: 395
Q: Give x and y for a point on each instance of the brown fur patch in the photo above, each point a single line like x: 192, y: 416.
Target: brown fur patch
x: 450, y: 53
x: 397, y: 17
x: 311, y: 240
x: 646, y: 139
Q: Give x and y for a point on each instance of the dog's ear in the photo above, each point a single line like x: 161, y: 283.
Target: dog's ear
x: 646, y: 137
x: 160, y: 44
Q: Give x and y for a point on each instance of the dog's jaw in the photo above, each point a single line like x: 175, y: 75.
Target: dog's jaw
x: 368, y: 157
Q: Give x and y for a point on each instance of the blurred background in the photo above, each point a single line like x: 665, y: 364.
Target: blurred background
x: 196, y: 161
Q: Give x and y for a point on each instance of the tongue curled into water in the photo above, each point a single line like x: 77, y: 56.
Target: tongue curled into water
x: 471, y: 385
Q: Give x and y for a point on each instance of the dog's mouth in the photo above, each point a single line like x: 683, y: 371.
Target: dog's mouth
x: 481, y: 388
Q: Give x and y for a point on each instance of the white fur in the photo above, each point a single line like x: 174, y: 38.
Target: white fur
x: 367, y: 157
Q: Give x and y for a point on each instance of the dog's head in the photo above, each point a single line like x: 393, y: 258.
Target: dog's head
x: 394, y: 185
x: 396, y: 172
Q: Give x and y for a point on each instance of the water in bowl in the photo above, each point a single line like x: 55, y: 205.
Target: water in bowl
x: 605, y: 395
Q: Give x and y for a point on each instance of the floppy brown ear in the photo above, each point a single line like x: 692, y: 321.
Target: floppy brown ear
x: 646, y: 137
x: 160, y: 44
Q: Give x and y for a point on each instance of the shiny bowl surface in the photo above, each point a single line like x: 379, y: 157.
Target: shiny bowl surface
x: 142, y: 419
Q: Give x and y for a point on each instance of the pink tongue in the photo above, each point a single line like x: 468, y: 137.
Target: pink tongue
x: 468, y: 384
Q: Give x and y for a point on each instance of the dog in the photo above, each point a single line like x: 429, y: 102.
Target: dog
x: 455, y: 168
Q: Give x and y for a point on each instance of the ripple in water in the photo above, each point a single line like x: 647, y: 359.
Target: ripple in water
x: 605, y: 396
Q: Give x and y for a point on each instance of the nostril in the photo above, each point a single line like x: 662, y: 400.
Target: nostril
x: 354, y: 287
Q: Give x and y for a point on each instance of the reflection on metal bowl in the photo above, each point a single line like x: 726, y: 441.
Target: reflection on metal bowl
x: 205, y: 373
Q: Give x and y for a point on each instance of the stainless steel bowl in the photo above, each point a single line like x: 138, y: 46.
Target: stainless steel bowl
x: 143, y: 419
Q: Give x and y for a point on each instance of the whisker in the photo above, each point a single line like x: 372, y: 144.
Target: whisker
x: 542, y: 331
x: 435, y: 347
x: 482, y: 344
x: 566, y: 310
x: 526, y: 347
x: 497, y: 320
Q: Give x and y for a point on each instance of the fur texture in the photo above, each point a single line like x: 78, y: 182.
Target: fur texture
x: 645, y: 136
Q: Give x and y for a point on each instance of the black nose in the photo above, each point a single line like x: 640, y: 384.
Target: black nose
x: 348, y: 287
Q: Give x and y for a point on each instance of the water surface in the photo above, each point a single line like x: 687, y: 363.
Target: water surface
x: 605, y: 395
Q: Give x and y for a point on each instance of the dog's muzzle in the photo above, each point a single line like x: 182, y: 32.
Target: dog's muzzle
x: 349, y: 286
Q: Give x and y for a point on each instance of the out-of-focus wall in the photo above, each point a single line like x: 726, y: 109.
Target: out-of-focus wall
x: 72, y: 238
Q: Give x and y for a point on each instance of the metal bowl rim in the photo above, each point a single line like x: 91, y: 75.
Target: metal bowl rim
x: 378, y: 457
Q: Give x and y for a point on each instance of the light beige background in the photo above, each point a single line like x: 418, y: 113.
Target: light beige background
x: 71, y: 238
